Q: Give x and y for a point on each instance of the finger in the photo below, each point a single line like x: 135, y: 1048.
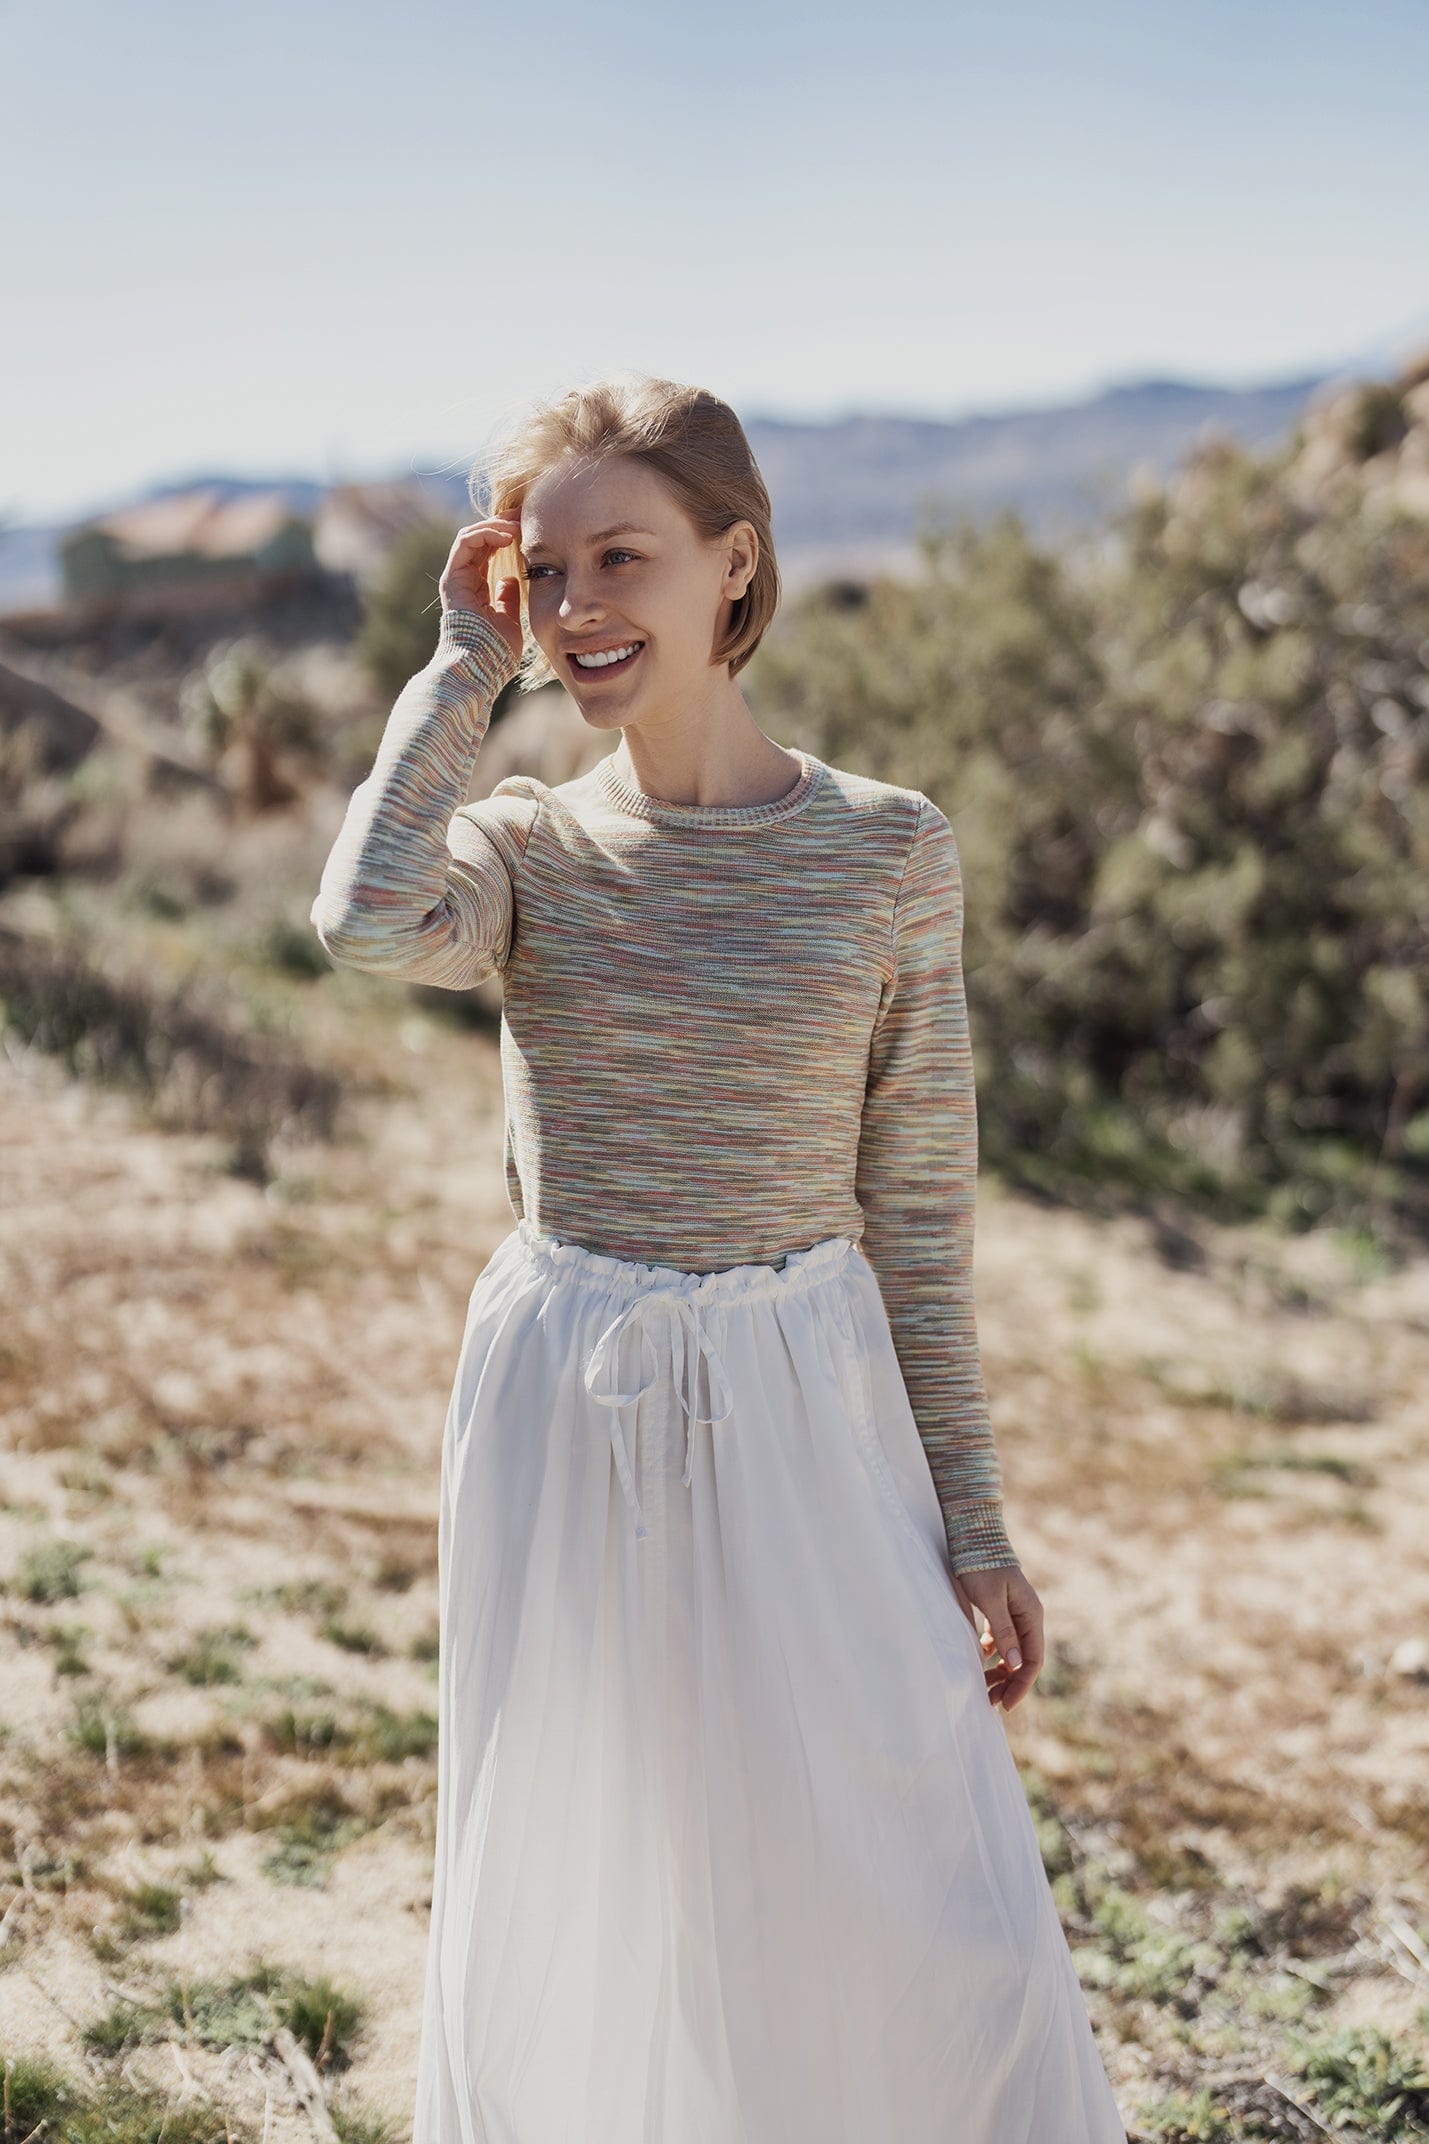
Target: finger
x: 1001, y: 1688
x: 1004, y: 1630
x: 468, y: 568
x: 1018, y: 1681
x: 1015, y: 1689
x: 1029, y: 1628
x: 508, y: 596
x: 498, y: 529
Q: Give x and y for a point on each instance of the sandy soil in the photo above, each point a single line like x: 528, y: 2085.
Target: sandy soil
x: 1216, y: 1449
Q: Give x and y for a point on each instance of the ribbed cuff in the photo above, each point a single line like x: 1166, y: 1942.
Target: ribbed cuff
x: 977, y: 1538
x: 467, y: 634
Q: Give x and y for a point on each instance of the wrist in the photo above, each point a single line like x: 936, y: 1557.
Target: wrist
x: 466, y: 637
x: 977, y: 1538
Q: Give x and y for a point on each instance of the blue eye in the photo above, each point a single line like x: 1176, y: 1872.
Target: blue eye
x: 534, y: 572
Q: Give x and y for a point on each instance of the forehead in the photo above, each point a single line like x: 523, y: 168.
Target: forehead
x: 573, y: 505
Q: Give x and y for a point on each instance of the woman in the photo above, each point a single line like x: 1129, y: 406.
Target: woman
x: 731, y: 1848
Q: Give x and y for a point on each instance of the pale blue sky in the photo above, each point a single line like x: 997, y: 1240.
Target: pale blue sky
x: 306, y: 238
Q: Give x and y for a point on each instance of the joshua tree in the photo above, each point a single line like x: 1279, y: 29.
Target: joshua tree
x: 238, y: 706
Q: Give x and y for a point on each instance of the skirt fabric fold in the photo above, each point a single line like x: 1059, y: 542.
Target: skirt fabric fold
x: 730, y: 1846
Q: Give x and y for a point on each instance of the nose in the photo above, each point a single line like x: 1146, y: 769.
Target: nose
x: 578, y: 603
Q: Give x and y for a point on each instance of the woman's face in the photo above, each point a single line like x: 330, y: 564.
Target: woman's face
x: 611, y: 560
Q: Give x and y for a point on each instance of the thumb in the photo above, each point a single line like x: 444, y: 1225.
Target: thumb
x: 508, y: 597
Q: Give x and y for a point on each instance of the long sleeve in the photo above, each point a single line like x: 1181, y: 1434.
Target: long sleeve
x: 419, y: 883
x: 917, y: 1186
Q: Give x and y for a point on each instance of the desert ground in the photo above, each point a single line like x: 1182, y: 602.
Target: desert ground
x: 223, y: 1400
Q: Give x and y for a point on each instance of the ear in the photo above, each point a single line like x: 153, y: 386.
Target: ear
x: 742, y: 555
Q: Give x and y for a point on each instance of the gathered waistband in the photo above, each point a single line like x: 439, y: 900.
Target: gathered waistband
x: 694, y: 1302
x: 577, y: 1262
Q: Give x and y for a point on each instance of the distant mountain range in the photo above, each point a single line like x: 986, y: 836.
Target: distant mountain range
x: 863, y: 481
x: 849, y: 492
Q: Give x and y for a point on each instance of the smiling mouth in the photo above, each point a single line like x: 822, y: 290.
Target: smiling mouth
x: 605, y: 667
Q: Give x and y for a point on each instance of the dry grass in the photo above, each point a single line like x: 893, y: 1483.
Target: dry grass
x: 222, y: 1414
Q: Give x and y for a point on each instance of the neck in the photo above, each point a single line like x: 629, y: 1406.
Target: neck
x: 707, y: 766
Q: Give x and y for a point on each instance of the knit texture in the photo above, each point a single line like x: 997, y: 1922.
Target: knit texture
x: 727, y: 1031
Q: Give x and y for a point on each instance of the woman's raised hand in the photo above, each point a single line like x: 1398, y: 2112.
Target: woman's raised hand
x: 466, y: 580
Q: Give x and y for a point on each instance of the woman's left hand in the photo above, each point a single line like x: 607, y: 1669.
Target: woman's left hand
x: 1015, y: 1624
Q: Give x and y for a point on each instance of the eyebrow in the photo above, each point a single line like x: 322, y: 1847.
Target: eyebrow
x: 618, y: 528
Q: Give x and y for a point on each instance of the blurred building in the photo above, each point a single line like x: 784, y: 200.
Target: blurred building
x: 193, y: 550
x: 212, y: 547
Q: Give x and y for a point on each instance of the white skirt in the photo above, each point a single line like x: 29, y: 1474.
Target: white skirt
x: 731, y: 1847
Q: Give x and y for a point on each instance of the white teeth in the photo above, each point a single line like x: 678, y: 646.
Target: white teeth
x: 609, y: 655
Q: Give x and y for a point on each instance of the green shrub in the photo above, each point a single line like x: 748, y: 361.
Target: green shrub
x: 1187, y: 767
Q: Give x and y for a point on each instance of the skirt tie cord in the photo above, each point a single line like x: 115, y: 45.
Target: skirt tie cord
x: 695, y: 1341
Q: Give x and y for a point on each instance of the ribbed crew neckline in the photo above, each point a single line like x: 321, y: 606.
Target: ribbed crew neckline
x: 663, y: 812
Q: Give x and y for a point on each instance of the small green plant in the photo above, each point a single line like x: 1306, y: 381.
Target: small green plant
x: 387, y: 1737
x: 354, y: 1638
x: 210, y: 1658
x: 1138, y: 1957
x: 242, y: 2012
x: 325, y: 2019
x: 307, y: 1733
x: 1180, y: 2119
x: 51, y: 1571
x: 151, y: 1562
x: 123, y: 2025
x: 201, y: 1873
x: 1360, y: 2078
x: 300, y: 1596
x: 150, y: 1909
x: 69, y: 1641
x: 360, y: 2125
x: 221, y: 2013
x: 41, y: 2104
x: 107, y: 1729
x: 35, y: 2095
x: 311, y: 1829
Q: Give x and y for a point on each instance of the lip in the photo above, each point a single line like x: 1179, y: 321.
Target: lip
x: 606, y: 669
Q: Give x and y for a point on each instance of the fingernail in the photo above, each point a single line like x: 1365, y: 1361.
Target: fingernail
x: 1014, y: 1658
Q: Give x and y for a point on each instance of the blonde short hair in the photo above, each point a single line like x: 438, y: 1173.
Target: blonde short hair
x: 687, y: 436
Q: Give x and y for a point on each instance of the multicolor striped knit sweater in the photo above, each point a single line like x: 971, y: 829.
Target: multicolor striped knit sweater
x: 727, y: 1031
